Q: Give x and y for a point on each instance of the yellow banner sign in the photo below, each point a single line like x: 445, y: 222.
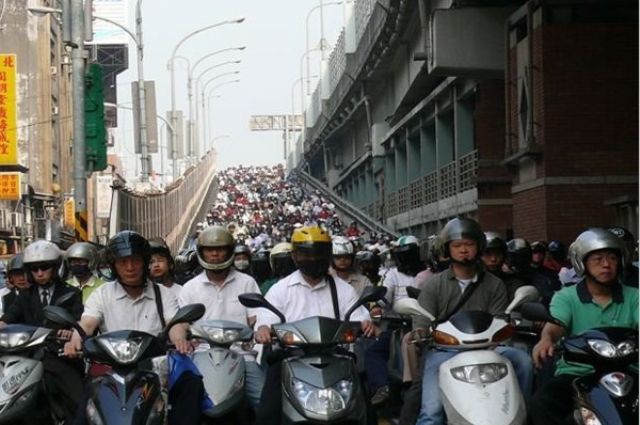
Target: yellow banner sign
x: 8, y: 110
x: 69, y: 213
x: 10, y: 186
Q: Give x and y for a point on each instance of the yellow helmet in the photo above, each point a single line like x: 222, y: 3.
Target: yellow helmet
x: 312, y: 250
x: 310, y: 235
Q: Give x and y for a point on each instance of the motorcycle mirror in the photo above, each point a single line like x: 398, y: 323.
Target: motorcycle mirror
x: 187, y: 314
x: 253, y: 300
x: 523, y: 294
x: 64, y: 299
x: 369, y: 294
x: 413, y: 292
x: 538, y: 313
x: 60, y: 316
x: 411, y: 307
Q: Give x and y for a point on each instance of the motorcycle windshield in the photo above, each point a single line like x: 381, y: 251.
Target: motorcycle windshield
x: 316, y: 331
x: 123, y: 348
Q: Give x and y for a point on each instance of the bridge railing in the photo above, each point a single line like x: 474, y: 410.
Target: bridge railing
x: 167, y: 214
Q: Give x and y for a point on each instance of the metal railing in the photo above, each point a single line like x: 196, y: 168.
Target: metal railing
x: 449, y: 180
x: 363, y: 10
x: 346, y: 208
x: 337, y: 63
x: 167, y: 214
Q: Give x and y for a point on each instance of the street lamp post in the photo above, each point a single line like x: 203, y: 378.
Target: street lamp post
x: 207, y: 113
x: 320, y: 7
x: 142, y: 98
x: 202, y: 98
x: 173, y: 83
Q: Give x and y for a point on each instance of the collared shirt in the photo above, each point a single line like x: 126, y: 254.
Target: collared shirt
x: 443, y: 293
x: 221, y: 301
x: 575, y: 307
x: 357, y: 280
x: 175, y: 289
x: 297, y: 300
x: 91, y: 285
x: 116, y: 310
x: 396, y: 283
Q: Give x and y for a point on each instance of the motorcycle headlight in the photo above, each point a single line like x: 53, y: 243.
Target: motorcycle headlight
x: 123, y: 350
x: 323, y: 401
x: 13, y: 339
x: 221, y: 335
x: 589, y: 417
x: 480, y: 373
x: 610, y: 351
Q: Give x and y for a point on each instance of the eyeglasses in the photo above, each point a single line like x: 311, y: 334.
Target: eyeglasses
x: 40, y: 267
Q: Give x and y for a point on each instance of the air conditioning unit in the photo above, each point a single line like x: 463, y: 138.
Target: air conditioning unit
x: 16, y: 219
x: 5, y: 219
x: 53, y: 70
x: 55, y: 110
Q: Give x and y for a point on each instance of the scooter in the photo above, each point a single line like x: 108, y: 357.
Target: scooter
x: 320, y: 381
x: 222, y: 369
x: 609, y: 395
x: 478, y: 385
x: 22, y: 348
x: 131, y: 392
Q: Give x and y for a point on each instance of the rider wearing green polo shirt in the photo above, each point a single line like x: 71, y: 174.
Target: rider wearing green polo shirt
x: 599, y: 300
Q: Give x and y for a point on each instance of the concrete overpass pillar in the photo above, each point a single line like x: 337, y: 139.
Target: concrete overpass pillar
x: 390, y: 171
x: 463, y: 115
x: 414, y: 168
x: 401, y: 162
x: 428, y: 159
x: 444, y: 138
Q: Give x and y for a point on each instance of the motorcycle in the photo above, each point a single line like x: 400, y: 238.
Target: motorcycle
x: 22, y: 348
x: 130, y: 392
x: 320, y: 381
x: 478, y: 385
x: 222, y: 369
x: 609, y: 395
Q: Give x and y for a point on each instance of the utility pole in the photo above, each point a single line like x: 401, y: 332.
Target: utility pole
x: 142, y: 99
x: 78, y: 81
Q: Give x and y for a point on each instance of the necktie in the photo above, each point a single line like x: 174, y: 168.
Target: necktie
x: 45, y: 297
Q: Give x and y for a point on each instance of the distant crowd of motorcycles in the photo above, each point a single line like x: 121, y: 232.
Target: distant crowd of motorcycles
x: 443, y: 348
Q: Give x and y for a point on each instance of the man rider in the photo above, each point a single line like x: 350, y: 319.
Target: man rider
x: 130, y: 302
x: 82, y: 258
x: 304, y: 293
x: 218, y: 287
x: 493, y: 257
x: 17, y: 278
x: 281, y: 264
x: 342, y: 259
x: 42, y: 261
x: 598, y: 300
x: 463, y: 242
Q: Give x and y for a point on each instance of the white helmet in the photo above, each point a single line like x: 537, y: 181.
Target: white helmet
x: 84, y: 251
x: 342, y: 246
x: 42, y: 251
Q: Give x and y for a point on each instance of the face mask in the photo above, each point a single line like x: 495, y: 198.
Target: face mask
x: 241, y: 264
x: 80, y: 270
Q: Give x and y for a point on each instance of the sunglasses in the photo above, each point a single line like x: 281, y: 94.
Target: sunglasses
x: 40, y: 267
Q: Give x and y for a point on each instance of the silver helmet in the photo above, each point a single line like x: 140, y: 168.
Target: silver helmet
x: 215, y: 237
x: 341, y: 246
x: 462, y: 228
x: 593, y: 240
x: 42, y: 251
x: 83, y: 251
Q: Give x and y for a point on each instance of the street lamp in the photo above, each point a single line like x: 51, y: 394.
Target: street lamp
x: 207, y: 113
x: 204, y: 88
x: 313, y: 9
x: 171, y: 66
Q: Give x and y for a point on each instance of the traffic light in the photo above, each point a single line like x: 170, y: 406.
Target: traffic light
x: 95, y: 131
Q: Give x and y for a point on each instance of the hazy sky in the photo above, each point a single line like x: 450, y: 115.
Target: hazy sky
x: 274, y: 33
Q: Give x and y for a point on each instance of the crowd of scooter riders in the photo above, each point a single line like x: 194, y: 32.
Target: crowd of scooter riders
x: 266, y: 235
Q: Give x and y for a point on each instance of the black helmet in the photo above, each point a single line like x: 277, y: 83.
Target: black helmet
x: 495, y: 242
x: 406, y: 254
x: 462, y: 228
x: 539, y: 246
x: 125, y: 244
x: 518, y: 254
x: 16, y: 263
x: 242, y: 249
x: 557, y: 251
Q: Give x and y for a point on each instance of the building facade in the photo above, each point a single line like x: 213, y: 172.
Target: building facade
x: 523, y: 115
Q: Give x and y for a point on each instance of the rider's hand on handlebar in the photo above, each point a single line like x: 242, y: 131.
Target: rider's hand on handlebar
x: 183, y: 346
x: 419, y: 335
x: 64, y: 334
x: 369, y: 329
x: 263, y: 335
x: 73, y: 347
x: 542, y: 350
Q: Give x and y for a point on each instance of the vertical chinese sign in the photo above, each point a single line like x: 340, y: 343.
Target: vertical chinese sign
x: 8, y: 114
x: 9, y: 186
